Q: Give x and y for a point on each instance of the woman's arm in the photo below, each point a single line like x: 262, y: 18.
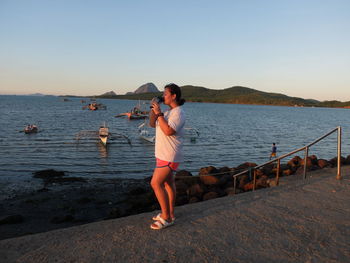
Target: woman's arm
x: 154, y: 116
x: 152, y: 119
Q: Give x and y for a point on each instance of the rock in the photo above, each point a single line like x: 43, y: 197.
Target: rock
x: 206, y: 178
x: 181, y: 200
x: 272, y: 182
x: 246, y: 165
x: 287, y: 172
x: 47, y: 174
x: 334, y: 161
x: 195, y: 190
x: 183, y: 173
x: 210, y: 195
x: 294, y: 163
x: 11, y: 219
x: 308, y: 162
x: 322, y: 163
x: 208, y: 170
x: 181, y: 188
x: 62, y: 219
x: 242, y: 181
x: 115, y: 212
x: 194, y: 199
x: 262, y: 182
x: 313, y: 159
x: 347, y: 160
x: 138, y: 191
x: 268, y: 169
x: 248, y: 186
x: 231, y: 191
x: 209, y: 179
x: 84, y: 200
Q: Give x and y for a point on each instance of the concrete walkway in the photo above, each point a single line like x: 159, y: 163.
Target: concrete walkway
x: 300, y: 221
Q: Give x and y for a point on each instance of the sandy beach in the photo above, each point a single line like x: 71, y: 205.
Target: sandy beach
x: 298, y: 221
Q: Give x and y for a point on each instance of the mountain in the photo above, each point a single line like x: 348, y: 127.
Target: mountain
x: 238, y: 95
x: 109, y: 94
x: 146, y: 88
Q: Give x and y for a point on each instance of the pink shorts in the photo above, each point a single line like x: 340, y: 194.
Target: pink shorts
x: 173, y: 166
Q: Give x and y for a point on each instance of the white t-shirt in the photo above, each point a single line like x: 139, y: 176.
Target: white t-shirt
x: 169, y: 148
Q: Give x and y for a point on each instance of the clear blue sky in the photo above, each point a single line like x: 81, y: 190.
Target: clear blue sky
x: 298, y: 48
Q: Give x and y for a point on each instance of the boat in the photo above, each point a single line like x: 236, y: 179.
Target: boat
x: 146, y: 132
x: 30, y: 128
x: 103, y: 134
x: 95, y: 106
x: 137, y: 113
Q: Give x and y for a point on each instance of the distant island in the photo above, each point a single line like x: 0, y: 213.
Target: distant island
x: 233, y: 95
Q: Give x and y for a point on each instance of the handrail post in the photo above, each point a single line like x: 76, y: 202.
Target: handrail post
x: 305, y: 160
x: 234, y: 184
x: 254, y: 180
x: 339, y: 154
x: 278, y: 171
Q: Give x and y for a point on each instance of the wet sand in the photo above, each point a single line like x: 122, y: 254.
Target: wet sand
x: 299, y: 221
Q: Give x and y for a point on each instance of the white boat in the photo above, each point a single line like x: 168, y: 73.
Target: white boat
x: 146, y: 132
x: 103, y: 134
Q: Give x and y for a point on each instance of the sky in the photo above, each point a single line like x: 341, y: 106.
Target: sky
x: 298, y: 48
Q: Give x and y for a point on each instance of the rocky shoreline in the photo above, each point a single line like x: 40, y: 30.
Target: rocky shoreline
x: 65, y: 201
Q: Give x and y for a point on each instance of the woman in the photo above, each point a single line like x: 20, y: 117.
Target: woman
x: 168, y: 152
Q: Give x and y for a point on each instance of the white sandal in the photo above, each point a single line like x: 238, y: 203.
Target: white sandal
x: 156, y: 218
x: 161, y: 223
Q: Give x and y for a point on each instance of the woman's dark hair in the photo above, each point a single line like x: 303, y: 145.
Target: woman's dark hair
x: 175, y: 89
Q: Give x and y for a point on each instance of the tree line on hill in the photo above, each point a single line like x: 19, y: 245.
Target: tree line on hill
x: 234, y: 95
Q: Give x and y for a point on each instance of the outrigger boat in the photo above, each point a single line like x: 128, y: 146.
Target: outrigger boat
x: 30, y: 128
x: 103, y: 133
x: 136, y: 113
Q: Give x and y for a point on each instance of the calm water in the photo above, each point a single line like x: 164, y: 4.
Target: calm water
x: 229, y: 135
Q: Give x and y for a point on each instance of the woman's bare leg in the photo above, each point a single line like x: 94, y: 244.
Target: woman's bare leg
x: 160, y: 175
x: 170, y: 188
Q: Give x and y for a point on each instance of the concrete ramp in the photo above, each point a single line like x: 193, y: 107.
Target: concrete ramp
x: 300, y: 221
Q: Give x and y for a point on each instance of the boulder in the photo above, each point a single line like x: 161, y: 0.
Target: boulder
x: 194, y: 199
x: 183, y: 173
x: 210, y: 195
x: 294, y: 163
x: 313, y: 159
x: 322, y: 163
x: 209, y: 179
x: 181, y: 200
x: 248, y: 186
x: 347, y: 160
x: 47, y: 174
x: 181, y: 188
x: 287, y: 172
x: 334, y: 161
x: 309, y: 162
x: 242, y: 180
x: 262, y: 182
x: 62, y: 219
x: 195, y: 190
x: 208, y: 170
x: 246, y: 165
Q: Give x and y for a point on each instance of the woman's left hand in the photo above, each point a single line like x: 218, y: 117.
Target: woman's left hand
x: 156, y: 108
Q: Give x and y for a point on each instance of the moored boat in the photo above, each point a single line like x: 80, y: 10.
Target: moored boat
x: 30, y: 128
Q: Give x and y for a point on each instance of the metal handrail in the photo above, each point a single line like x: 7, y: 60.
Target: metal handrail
x: 306, y: 148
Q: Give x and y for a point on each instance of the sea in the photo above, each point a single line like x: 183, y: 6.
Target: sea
x: 229, y: 135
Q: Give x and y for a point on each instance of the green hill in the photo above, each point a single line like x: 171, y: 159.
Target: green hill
x: 236, y: 95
